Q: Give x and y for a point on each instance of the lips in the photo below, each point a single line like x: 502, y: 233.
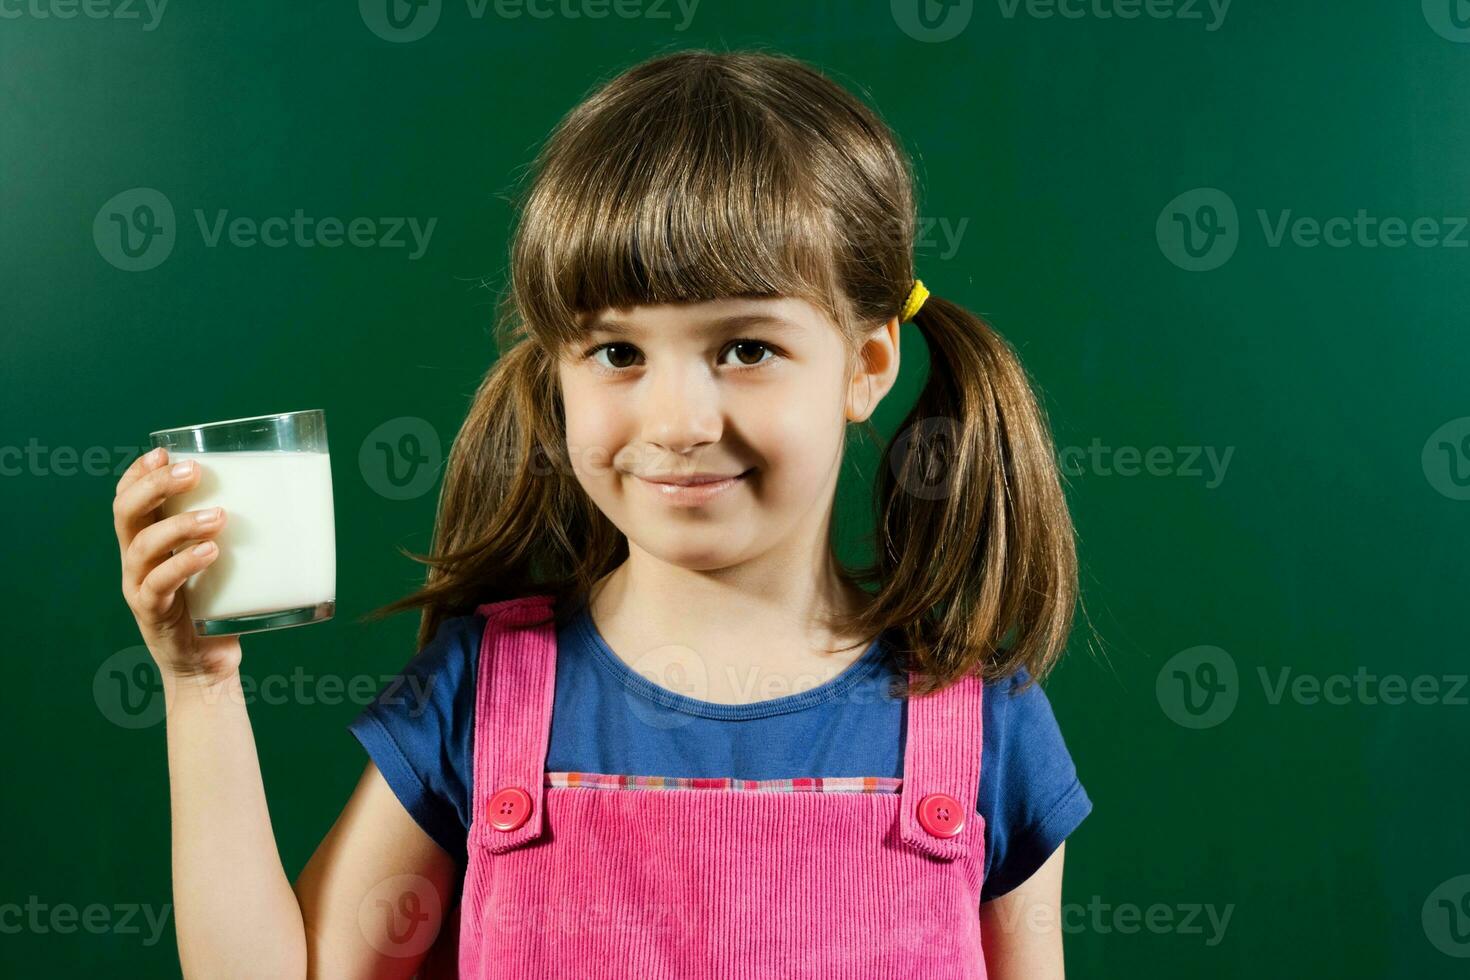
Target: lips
x: 697, y: 479
x: 692, y: 490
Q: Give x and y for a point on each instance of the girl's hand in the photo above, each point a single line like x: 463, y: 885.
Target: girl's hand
x: 152, y: 577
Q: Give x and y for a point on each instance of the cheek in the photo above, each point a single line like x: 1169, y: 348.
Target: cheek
x: 592, y: 433
x: 797, y: 436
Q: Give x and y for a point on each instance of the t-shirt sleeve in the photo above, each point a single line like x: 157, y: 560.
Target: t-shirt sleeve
x: 419, y: 731
x: 1029, y: 790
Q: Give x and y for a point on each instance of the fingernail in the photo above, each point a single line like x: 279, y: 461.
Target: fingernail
x: 204, y: 548
x: 208, y: 516
x: 182, y: 469
x: 155, y: 456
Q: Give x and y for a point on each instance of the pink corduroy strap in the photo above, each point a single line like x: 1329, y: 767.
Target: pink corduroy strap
x: 513, y: 713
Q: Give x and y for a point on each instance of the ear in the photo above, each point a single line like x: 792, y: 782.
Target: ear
x: 875, y: 371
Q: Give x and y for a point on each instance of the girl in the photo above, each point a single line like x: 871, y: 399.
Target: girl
x: 666, y: 733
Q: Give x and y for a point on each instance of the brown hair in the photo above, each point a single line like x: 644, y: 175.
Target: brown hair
x: 701, y: 175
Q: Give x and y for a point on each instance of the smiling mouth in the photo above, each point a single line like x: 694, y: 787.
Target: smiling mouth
x: 698, y: 491
x: 698, y: 480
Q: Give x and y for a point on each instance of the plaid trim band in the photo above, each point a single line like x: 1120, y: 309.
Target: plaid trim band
x: 812, y: 784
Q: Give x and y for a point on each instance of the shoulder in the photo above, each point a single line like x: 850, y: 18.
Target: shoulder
x: 455, y: 646
x: 436, y: 677
x: 419, y: 731
x: 1016, y: 702
x: 1030, y: 794
x: 1023, y: 743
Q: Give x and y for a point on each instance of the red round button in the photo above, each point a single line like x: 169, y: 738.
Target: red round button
x: 509, y: 808
x: 941, y: 815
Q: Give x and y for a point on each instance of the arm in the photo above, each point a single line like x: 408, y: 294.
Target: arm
x: 236, y: 913
x: 1021, y: 930
x: 375, y: 893
x: 367, y: 905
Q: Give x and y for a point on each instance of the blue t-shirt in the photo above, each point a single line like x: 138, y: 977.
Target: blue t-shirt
x: 607, y: 718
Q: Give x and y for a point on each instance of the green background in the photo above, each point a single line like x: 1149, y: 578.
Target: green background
x: 1331, y: 544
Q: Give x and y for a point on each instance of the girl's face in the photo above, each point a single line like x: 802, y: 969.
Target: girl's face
x: 751, y: 393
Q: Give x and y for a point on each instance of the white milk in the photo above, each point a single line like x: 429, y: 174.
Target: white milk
x: 278, y: 546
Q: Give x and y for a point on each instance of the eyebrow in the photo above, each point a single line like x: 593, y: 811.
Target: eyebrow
x: 721, y: 324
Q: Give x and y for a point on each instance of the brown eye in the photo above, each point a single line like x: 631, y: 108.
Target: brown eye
x: 753, y: 348
x: 616, y: 360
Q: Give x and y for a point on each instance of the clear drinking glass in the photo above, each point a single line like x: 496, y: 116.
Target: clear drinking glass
x: 277, y: 562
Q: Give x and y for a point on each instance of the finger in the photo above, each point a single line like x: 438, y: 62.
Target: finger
x: 144, y: 464
x: 157, y: 593
x: 133, y: 509
x: 156, y: 542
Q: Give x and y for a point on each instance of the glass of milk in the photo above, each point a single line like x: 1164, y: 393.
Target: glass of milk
x: 277, y: 562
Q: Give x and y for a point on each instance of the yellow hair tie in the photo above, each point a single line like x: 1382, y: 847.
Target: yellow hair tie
x: 917, y: 295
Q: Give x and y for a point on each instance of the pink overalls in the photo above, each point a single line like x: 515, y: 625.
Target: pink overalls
x: 691, y: 883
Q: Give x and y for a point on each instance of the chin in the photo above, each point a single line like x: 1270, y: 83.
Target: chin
x: 693, y: 554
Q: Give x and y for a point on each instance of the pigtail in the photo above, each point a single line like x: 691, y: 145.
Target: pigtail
x: 975, y: 555
x: 511, y: 519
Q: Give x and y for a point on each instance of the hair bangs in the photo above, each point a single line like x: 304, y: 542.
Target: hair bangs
x: 700, y: 200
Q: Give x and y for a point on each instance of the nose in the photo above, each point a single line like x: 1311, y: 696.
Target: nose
x: 682, y: 408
